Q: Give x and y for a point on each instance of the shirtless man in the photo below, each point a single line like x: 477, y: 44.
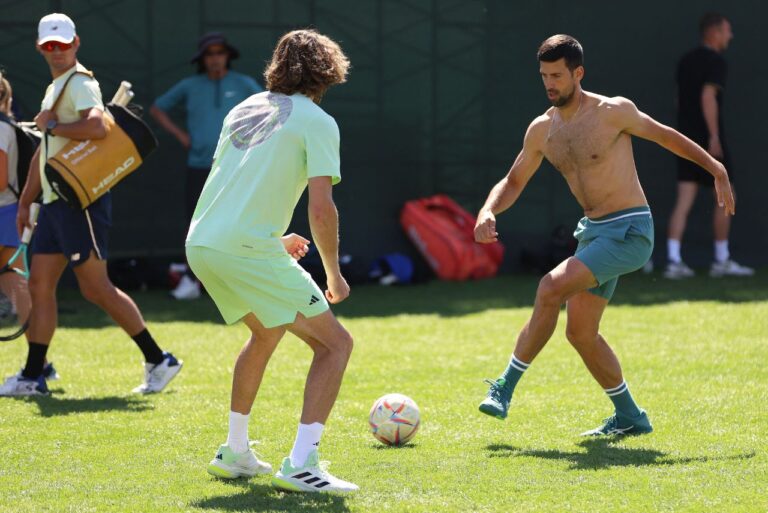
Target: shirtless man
x: 586, y: 136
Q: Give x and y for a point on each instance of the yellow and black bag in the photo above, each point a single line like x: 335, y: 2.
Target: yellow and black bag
x: 83, y: 171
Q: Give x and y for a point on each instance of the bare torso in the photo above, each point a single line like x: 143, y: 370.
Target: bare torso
x: 594, y: 156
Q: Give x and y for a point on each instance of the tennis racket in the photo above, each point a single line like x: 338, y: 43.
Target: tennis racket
x: 11, y: 326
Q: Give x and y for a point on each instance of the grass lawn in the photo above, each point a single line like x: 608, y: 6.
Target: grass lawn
x: 694, y: 354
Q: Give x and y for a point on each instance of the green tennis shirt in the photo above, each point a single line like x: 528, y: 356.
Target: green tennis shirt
x: 269, y: 147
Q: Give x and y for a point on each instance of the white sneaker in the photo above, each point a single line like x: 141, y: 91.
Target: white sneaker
x: 157, y: 376
x: 312, y: 477
x: 18, y: 385
x: 231, y: 465
x: 186, y: 289
x: 678, y: 271
x: 729, y: 268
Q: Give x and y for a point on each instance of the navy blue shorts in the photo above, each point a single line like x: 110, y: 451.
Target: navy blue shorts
x: 74, y: 232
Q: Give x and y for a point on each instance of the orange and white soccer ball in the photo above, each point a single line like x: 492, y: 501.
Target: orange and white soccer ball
x: 394, y: 419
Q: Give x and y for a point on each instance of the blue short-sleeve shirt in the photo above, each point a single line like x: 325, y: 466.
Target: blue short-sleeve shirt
x: 207, y: 103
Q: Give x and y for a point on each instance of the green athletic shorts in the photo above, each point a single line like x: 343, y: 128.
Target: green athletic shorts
x: 270, y: 284
x: 615, y: 244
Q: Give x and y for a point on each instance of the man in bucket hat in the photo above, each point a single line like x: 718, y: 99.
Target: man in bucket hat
x: 207, y: 97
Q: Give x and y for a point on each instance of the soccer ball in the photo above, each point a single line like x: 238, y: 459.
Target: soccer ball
x: 394, y: 419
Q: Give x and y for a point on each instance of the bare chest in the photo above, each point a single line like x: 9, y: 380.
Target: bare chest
x: 583, y: 143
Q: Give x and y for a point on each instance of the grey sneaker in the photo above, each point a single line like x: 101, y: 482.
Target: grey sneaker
x: 678, y: 271
x: 729, y: 268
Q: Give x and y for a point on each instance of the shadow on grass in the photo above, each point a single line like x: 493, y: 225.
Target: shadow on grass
x: 53, y: 406
x: 446, y: 299
x: 261, y: 497
x: 382, y: 447
x: 602, y: 453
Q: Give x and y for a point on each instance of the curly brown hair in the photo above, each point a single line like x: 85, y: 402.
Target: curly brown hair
x: 306, y: 62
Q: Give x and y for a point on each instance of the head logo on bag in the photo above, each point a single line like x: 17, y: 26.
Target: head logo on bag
x: 125, y: 166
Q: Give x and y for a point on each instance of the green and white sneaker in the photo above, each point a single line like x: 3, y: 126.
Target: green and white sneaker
x: 621, y: 425
x: 496, y: 403
x: 312, y: 477
x: 231, y: 465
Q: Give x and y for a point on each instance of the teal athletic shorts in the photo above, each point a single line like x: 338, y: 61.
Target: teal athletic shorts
x: 270, y: 284
x: 615, y: 244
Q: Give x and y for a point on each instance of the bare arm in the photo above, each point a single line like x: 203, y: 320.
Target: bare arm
x: 711, y: 115
x: 639, y: 124
x: 89, y: 126
x: 324, y: 224
x: 167, y: 123
x: 3, y: 170
x: 505, y: 193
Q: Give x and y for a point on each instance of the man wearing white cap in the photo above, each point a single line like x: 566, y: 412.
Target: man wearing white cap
x: 72, y: 109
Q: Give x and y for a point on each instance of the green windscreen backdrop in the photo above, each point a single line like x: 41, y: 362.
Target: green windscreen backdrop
x: 438, y: 99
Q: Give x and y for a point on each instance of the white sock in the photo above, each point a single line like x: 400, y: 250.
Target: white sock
x: 237, y: 440
x: 721, y: 250
x: 673, y: 251
x: 307, y: 439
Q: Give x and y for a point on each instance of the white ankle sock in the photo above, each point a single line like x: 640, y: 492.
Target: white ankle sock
x: 307, y: 439
x: 721, y: 251
x: 673, y: 251
x: 237, y: 440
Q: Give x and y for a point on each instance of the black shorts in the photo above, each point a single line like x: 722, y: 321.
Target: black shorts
x: 687, y: 171
x: 74, y: 232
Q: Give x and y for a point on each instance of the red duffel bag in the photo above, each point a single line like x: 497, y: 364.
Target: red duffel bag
x: 444, y: 234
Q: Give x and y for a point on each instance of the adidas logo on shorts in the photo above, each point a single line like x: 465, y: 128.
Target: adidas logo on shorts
x: 314, y: 300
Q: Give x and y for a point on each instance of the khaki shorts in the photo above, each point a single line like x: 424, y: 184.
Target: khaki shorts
x: 275, y: 289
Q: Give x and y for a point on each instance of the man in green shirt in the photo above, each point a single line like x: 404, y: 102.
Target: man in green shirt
x: 272, y: 146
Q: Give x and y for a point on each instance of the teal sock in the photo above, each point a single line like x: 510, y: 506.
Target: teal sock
x: 513, y: 373
x: 623, y: 400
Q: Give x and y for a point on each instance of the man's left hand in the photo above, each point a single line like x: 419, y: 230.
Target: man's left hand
x: 42, y: 119
x: 296, y: 245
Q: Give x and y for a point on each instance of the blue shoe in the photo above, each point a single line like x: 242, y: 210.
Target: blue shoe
x: 496, y: 403
x: 621, y: 425
x: 18, y: 386
x: 49, y: 372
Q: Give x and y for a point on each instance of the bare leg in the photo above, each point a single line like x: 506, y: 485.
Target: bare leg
x: 97, y: 288
x: 46, y: 269
x: 332, y: 345
x: 568, y: 278
x: 251, y: 363
x: 686, y: 195
x: 584, y: 313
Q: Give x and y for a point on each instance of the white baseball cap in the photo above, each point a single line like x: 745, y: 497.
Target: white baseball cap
x: 55, y: 27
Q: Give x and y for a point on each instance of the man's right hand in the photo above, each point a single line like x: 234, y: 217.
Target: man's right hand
x: 485, y: 228
x: 724, y: 191
x: 338, y: 289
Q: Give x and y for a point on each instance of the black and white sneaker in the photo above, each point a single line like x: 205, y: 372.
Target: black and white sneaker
x: 157, y: 376
x: 312, y: 477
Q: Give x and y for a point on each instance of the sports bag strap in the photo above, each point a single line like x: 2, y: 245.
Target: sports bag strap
x: 58, y: 100
x: 61, y: 93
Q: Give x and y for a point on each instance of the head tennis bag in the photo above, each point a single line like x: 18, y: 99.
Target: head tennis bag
x: 83, y: 171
